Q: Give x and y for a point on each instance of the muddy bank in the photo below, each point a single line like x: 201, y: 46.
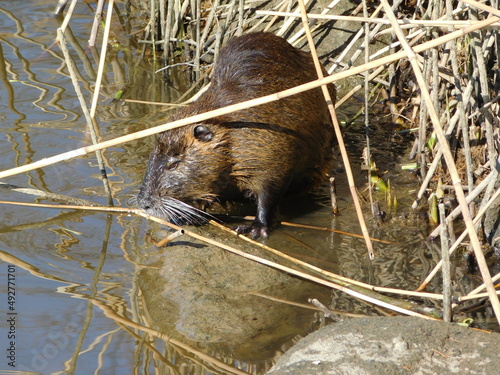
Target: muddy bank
x: 390, y: 346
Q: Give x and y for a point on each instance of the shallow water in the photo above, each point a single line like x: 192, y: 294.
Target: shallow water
x: 92, y: 294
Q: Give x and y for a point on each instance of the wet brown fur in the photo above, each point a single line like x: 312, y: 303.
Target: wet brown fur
x: 264, y: 151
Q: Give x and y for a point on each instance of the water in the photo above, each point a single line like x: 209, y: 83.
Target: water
x: 92, y: 294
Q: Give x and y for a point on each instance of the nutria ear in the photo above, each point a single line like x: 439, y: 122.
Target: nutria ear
x: 202, y: 133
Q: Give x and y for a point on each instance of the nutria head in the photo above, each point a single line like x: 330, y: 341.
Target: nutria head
x: 188, y: 164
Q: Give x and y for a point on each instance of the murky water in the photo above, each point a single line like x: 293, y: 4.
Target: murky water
x: 92, y: 294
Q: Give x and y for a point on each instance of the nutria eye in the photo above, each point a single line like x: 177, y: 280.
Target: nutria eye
x: 172, y: 163
x: 173, y: 166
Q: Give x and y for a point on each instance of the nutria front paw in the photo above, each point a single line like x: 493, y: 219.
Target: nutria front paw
x: 256, y: 230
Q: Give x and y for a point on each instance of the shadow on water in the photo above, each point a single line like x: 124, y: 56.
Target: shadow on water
x: 93, y: 295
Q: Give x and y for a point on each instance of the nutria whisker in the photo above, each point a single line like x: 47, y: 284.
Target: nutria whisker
x: 180, y: 213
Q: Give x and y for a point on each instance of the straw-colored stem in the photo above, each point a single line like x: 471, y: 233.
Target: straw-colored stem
x: 102, y: 61
x: 292, y: 271
x: 110, y: 312
x: 347, y: 96
x: 241, y: 11
x: 368, y: 158
x: 341, y: 280
x: 406, y: 22
x: 298, y: 35
x: 208, y: 25
x: 354, y: 40
x: 95, y: 24
x: 90, y: 121
x: 93, y: 294
x: 197, y: 36
x: 167, y: 18
x: 459, y: 240
x: 47, y: 195
x: 470, y: 197
x: 483, y: 6
x: 287, y: 24
x: 327, y: 274
x: 476, y: 39
x: 250, y: 103
x: 67, y: 18
x: 475, y: 296
x: 460, y: 105
x: 445, y: 256
x: 338, y: 133
x: 481, y: 287
x: 483, y: 267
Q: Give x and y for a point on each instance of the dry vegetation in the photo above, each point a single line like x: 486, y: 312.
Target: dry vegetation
x: 438, y: 75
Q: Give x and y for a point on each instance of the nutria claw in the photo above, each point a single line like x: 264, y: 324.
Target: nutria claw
x: 256, y: 230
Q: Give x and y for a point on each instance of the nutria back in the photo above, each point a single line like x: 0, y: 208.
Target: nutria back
x: 262, y: 152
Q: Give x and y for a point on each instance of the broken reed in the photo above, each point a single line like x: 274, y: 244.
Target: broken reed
x: 453, y: 85
x: 462, y: 94
x: 458, y: 73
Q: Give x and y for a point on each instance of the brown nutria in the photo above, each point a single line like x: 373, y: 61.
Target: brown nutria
x: 261, y: 152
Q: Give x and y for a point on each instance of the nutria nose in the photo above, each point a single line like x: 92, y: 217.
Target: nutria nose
x: 143, y: 201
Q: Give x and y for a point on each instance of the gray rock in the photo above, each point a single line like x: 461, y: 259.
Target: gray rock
x: 398, y: 345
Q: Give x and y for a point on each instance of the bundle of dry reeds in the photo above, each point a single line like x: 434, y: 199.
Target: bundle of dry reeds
x: 442, y: 65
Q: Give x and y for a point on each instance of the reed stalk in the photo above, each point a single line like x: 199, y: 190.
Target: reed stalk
x: 207, y: 34
x: 338, y: 132
x: 243, y: 105
x: 90, y: 115
x: 327, y: 278
x: 452, y: 169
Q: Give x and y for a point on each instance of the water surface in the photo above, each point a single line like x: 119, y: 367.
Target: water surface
x: 92, y: 294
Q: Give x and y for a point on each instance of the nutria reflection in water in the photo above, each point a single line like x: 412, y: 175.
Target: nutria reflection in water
x: 261, y: 153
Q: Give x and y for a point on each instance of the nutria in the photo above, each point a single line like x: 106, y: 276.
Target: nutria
x: 261, y: 152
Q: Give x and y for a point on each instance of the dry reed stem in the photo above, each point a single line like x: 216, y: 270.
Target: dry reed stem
x: 303, y: 305
x: 353, y: 41
x: 292, y: 40
x: 355, y: 89
x: 327, y: 274
x: 90, y: 116
x: 415, y: 23
x: 476, y: 291
x: 95, y: 24
x: 243, y: 105
x: 482, y: 6
x: 483, y: 267
x: 35, y: 271
x: 102, y: 60
x: 91, y: 125
x: 475, y: 296
x: 48, y: 195
x: 416, y: 34
x: 338, y: 133
x: 284, y: 223
x: 459, y: 240
x: 69, y: 13
x: 446, y: 272
x: 289, y: 270
x: 470, y: 197
x: 287, y: 23
x: 374, y: 208
x: 346, y: 281
x: 435, y: 163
